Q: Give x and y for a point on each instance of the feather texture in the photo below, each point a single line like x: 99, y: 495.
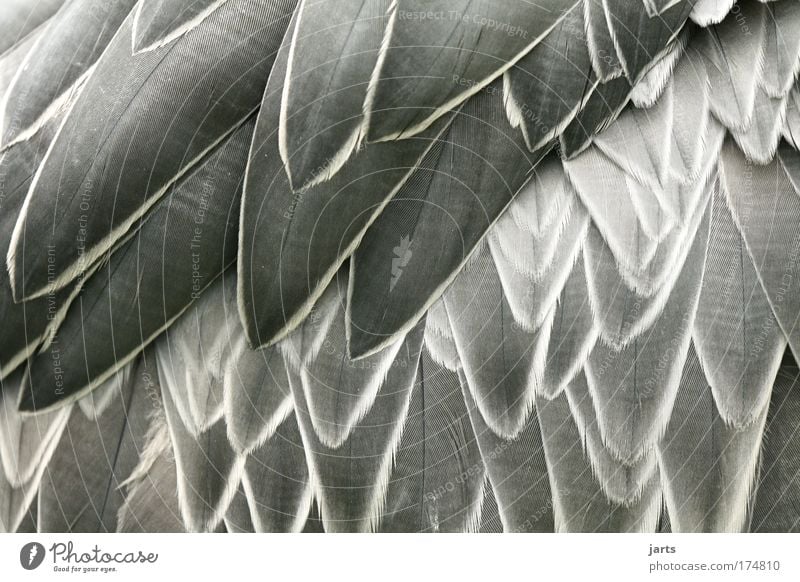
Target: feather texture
x: 334, y: 51
x: 399, y: 265
x: 392, y: 285
x: 159, y: 22
x: 438, y: 475
x: 74, y: 39
x: 276, y: 481
x: 206, y: 101
x: 769, y: 227
x: 501, y: 359
x: 350, y: 482
x: 517, y: 471
x: 197, y: 233
x: 707, y: 467
x: 80, y: 491
x: 287, y: 257
x: 424, y: 72
x: 19, y: 18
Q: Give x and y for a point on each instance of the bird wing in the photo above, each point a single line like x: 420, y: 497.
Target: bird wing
x: 360, y: 265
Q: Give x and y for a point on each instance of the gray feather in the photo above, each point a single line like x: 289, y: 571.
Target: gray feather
x: 208, y: 470
x: 195, y: 233
x: 765, y: 205
x: 633, y: 388
x: 502, y: 360
x: 707, y: 467
x: 160, y: 22
x: 350, y: 482
x: 731, y: 59
x: 74, y: 39
x: 736, y: 336
x: 438, y: 473
x: 622, y: 483
x: 572, y: 336
x: 549, y: 84
x: 81, y: 489
x: 432, y: 65
x: 392, y: 286
x: 151, y: 492
x: 517, y: 471
x: 292, y: 245
x: 195, y: 99
x: 334, y: 50
x: 778, y: 490
x: 276, y: 481
x: 579, y: 504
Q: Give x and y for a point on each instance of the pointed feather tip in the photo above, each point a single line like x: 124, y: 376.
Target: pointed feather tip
x: 204, y: 518
x: 307, y: 171
x: 27, y: 404
x: 150, y: 38
x: 239, y: 436
x: 266, y: 332
x: 362, y: 344
x: 48, y: 371
x: 509, y: 424
x: 30, y: 277
x: 275, y: 326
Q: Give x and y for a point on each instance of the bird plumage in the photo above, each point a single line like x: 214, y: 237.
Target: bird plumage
x: 400, y: 266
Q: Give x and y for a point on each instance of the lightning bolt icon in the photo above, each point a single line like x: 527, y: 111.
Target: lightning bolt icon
x: 32, y: 555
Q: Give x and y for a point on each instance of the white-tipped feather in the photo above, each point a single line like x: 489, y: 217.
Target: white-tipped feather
x: 174, y: 34
x: 708, y: 12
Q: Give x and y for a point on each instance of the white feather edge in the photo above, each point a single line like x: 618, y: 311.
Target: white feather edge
x: 648, y: 459
x: 157, y: 443
x: 371, y: 521
x: 560, y: 276
x: 335, y: 437
x: 30, y: 489
x: 174, y: 34
x: 739, y: 225
x: 591, y: 44
x: 539, y: 355
x: 412, y: 321
x: 101, y: 247
x: 652, y: 84
x: 10, y: 458
x: 469, y: 92
x: 583, y: 354
x: 516, y: 117
x: 548, y: 242
x: 657, y: 431
x: 659, y: 300
x: 60, y: 104
x: 300, y: 517
x: 217, y: 514
x: 323, y: 282
x: 120, y: 363
x: 708, y: 12
x: 6, y: 91
x: 49, y: 333
x: 268, y: 427
x: 736, y: 520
